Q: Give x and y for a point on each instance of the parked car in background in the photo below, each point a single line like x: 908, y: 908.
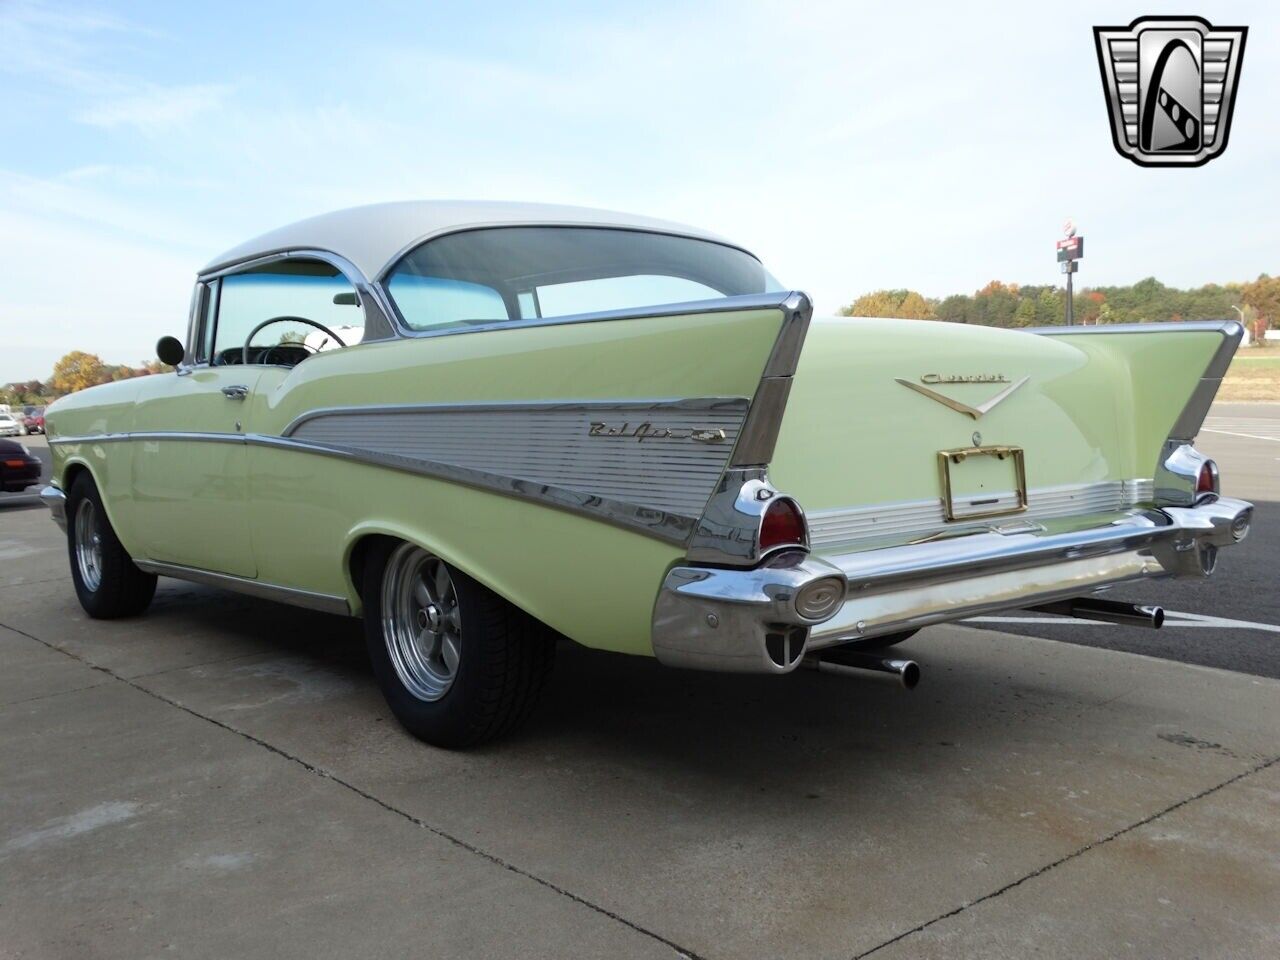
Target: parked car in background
x: 560, y: 421
x: 19, y: 467
x: 34, y: 421
x: 9, y: 425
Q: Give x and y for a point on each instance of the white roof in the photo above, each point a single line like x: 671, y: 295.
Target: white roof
x: 373, y: 237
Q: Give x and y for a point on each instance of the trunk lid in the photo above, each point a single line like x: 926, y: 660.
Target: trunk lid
x: 874, y: 403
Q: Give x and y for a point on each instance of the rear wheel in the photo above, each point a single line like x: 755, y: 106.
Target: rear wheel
x: 107, y: 583
x: 457, y: 663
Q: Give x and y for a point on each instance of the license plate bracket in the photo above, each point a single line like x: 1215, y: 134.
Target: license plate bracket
x: 984, y: 502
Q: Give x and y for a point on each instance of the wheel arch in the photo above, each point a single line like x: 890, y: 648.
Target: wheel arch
x: 363, y: 538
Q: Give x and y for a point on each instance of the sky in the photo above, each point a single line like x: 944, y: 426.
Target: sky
x: 931, y: 146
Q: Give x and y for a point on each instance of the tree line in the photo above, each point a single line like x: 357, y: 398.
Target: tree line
x: 75, y: 371
x: 1012, y: 305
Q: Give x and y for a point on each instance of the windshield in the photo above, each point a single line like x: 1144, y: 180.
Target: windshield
x: 521, y: 273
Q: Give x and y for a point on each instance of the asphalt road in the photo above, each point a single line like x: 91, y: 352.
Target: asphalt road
x: 1231, y: 620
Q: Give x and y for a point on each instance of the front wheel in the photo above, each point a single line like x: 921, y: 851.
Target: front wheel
x: 107, y: 583
x: 457, y: 664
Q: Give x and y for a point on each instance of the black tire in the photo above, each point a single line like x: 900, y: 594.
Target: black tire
x: 879, y: 643
x: 504, y: 658
x: 119, y: 589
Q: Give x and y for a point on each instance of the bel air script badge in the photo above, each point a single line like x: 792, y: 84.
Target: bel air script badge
x: 647, y: 431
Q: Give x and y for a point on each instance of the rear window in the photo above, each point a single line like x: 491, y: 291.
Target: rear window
x: 506, y: 274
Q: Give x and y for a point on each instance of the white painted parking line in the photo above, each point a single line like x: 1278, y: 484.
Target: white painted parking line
x: 1251, y: 428
x: 1172, y: 618
x: 1247, y: 436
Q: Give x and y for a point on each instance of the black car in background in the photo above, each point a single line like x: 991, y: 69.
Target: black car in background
x: 19, y: 467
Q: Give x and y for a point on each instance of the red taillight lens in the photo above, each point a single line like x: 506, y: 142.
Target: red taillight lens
x: 783, y: 525
x: 1207, y: 482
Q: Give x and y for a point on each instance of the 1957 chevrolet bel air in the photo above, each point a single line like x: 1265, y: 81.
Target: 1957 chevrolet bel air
x: 483, y: 426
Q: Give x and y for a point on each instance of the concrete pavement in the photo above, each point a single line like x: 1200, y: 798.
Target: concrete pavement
x: 220, y: 778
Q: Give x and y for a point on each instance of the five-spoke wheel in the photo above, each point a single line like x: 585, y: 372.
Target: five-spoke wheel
x: 457, y: 663
x: 421, y: 621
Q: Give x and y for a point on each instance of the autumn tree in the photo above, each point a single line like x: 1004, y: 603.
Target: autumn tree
x: 1264, y: 296
x: 906, y: 304
x: 77, y: 371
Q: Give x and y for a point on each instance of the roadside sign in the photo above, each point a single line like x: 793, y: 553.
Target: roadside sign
x: 1070, y: 249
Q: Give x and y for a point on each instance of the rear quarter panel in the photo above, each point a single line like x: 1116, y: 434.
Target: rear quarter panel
x: 592, y: 581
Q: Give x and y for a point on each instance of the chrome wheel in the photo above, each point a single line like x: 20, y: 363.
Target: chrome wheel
x: 421, y: 624
x: 88, y: 545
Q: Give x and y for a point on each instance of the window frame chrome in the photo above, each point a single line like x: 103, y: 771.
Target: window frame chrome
x: 371, y: 301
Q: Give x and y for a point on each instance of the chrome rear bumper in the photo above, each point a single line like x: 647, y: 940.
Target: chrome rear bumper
x: 712, y: 618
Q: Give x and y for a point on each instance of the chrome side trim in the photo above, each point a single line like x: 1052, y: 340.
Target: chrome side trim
x: 56, y: 501
x: 655, y: 523
x: 323, y: 602
x: 664, y: 525
x: 152, y: 435
x: 916, y: 518
x: 660, y: 456
x: 657, y: 404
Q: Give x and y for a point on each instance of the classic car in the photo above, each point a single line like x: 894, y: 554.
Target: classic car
x: 542, y: 422
x: 19, y: 467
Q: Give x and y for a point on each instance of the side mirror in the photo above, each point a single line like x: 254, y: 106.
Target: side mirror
x: 170, y: 350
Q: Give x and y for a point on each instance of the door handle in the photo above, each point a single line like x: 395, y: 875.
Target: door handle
x: 236, y: 391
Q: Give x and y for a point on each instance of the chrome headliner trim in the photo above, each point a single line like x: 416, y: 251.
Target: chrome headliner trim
x: 731, y: 404
x: 323, y: 602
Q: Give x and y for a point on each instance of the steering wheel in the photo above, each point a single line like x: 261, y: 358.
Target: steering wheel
x: 286, y: 319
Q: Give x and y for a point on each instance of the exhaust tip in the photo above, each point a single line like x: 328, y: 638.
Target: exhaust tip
x: 909, y: 674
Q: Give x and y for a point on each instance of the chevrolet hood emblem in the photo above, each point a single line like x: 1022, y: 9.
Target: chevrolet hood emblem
x: 964, y: 408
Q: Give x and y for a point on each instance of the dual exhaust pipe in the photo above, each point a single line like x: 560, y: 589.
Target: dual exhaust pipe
x: 1108, y: 611
x: 906, y: 673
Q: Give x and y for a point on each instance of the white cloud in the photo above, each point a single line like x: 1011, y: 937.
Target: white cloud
x: 155, y: 109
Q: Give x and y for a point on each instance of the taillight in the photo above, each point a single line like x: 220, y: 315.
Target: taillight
x: 1207, y: 481
x: 782, y: 525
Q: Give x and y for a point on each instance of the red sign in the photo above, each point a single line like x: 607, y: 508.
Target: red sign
x: 1071, y: 248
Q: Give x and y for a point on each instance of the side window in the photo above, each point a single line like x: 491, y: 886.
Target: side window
x: 613, y: 293
x: 445, y: 302
x: 294, y: 290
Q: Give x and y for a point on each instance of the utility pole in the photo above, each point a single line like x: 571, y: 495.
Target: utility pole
x: 1070, y: 251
